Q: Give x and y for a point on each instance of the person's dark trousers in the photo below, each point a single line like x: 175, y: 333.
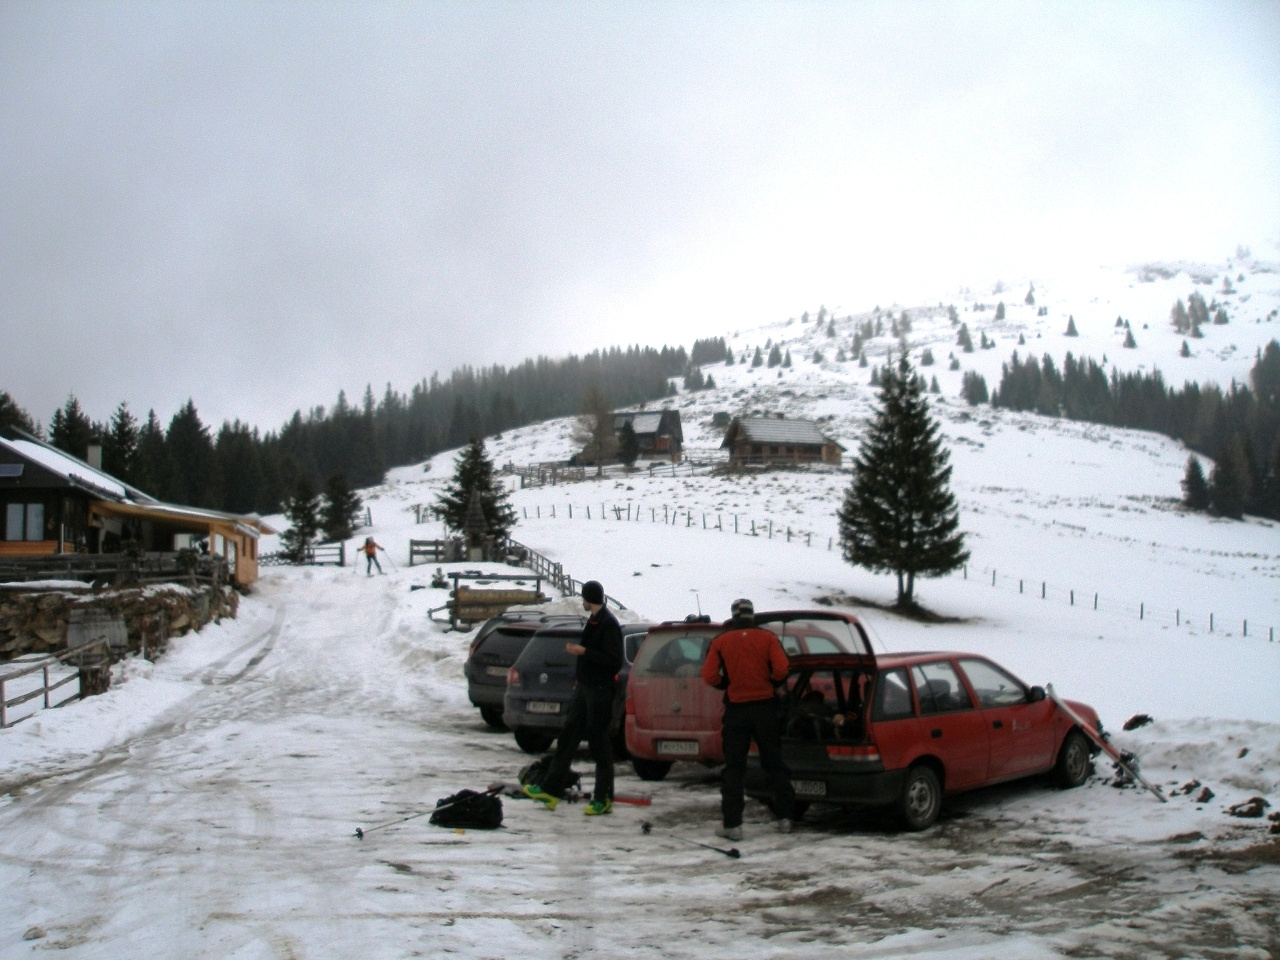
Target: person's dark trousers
x: 590, y: 712
x: 370, y: 562
x: 744, y: 722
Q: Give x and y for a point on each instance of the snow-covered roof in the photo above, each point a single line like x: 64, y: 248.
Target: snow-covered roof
x: 646, y: 421
x: 775, y: 430
x: 250, y: 524
x: 74, y: 470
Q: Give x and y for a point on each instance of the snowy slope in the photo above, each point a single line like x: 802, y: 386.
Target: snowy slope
x: 205, y: 806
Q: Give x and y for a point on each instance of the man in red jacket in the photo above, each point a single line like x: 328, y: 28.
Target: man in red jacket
x: 746, y: 662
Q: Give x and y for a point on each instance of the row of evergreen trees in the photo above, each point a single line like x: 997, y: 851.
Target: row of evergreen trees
x: 1238, y: 428
x: 241, y: 470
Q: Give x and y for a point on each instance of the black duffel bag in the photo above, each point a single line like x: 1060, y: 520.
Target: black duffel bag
x: 470, y: 810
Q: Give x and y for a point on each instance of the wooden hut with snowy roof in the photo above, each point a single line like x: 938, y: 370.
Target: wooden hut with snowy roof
x: 763, y: 441
x: 52, y: 503
x: 658, y: 431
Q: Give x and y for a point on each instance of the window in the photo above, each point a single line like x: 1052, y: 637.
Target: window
x: 994, y: 687
x: 893, y: 696
x: 939, y: 688
x: 24, y: 521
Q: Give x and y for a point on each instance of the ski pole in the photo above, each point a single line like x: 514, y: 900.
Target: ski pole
x: 647, y: 828
x: 359, y: 834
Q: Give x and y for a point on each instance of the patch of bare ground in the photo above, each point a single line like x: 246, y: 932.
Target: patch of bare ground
x: 1239, y: 860
x: 908, y: 611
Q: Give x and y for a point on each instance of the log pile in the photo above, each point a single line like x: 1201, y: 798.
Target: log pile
x: 36, y: 621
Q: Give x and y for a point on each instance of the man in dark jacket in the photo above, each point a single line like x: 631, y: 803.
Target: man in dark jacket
x: 591, y: 710
x: 746, y: 662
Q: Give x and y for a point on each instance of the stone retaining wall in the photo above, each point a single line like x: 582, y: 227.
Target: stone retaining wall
x: 35, y: 621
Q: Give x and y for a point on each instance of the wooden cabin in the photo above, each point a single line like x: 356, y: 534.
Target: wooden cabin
x: 762, y: 441
x: 53, y: 503
x: 658, y: 431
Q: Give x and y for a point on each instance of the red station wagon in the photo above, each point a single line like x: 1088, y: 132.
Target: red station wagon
x: 907, y: 729
x: 672, y: 715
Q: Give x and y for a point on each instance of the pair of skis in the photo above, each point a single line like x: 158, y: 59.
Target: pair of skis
x: 1120, y: 759
x: 511, y: 789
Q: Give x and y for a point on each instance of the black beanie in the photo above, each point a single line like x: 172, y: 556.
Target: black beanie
x: 742, y: 609
x: 592, y: 592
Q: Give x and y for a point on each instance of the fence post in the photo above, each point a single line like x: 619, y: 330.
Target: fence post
x: 571, y: 511
x: 553, y: 511
x: 1142, y: 611
x: 993, y: 578
x: 602, y: 516
x: 1211, y: 623
x: 735, y: 523
x: 719, y: 522
x: 770, y: 529
x: 830, y: 540
x: 653, y: 514
x: 1177, y: 615
x: 526, y: 512
x: 1043, y: 589
x: 788, y: 534
x: 1073, y: 598
x: 47, y: 703
x: 753, y: 528
x: 1246, y: 628
x: 808, y: 540
x: 539, y: 509
x: 704, y: 521
x: 688, y: 518
x: 1019, y: 585
x: 4, y: 708
x: 588, y: 513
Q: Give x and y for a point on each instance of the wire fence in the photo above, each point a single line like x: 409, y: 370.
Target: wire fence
x: 1159, y: 614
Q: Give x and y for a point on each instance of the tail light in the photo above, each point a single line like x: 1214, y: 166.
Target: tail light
x: 754, y: 748
x: 865, y: 754
x: 513, y: 677
x: 631, y: 707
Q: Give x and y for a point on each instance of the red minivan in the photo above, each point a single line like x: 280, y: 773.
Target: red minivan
x: 906, y: 729
x: 672, y: 715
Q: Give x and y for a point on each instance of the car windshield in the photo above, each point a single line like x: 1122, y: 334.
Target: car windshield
x: 676, y: 654
x: 817, y: 635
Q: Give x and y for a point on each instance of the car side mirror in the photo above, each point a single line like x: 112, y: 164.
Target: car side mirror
x: 1036, y: 695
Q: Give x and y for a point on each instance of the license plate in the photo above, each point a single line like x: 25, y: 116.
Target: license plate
x: 678, y: 748
x: 809, y: 788
x: 543, y: 706
x: 496, y: 671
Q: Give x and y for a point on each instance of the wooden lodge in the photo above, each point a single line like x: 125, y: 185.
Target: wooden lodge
x: 765, y: 441
x: 53, y: 503
x: 658, y: 431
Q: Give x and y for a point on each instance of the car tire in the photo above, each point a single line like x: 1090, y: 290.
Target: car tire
x: 921, y: 798
x: 651, y: 769
x: 532, y: 740
x: 1074, y: 761
x: 493, y: 717
x: 799, y: 809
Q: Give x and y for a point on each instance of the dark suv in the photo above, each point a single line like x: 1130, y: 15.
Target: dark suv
x: 495, y: 648
x: 539, y: 686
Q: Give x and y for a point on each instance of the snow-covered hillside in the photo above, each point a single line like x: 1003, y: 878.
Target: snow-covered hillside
x: 204, y: 807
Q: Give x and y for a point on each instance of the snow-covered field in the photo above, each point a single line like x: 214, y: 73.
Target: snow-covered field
x: 205, y: 806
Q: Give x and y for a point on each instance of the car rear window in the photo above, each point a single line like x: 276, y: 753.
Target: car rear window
x: 816, y: 636
x: 673, y: 654
x: 505, y: 642
x: 547, y: 649
x: 939, y: 688
x: 825, y: 704
x: 631, y: 645
x: 893, y: 696
x: 994, y: 687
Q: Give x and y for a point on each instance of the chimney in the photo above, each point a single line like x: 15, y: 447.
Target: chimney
x: 94, y: 456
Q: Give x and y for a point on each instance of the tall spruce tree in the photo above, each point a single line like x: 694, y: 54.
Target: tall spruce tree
x: 1229, y: 480
x: 474, y: 473
x: 120, y: 444
x: 303, y: 512
x: 1195, y: 489
x: 899, y: 514
x: 340, y: 508
x: 71, y: 430
x: 12, y: 415
x: 628, y: 445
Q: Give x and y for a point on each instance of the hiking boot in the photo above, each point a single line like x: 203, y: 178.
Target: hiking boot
x: 782, y: 825
x: 535, y: 792
x: 598, y: 808
x: 729, y: 833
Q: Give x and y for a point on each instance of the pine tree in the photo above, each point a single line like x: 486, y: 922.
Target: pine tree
x: 1000, y: 310
x: 1185, y: 351
x: 758, y: 359
x: 120, y: 444
x: 1229, y: 480
x: 12, y: 415
x: 775, y: 356
x: 71, y: 430
x: 899, y: 514
x: 303, y: 513
x: 933, y: 385
x: 1195, y: 490
x: 594, y: 430
x: 628, y: 445
x: 926, y: 358
x: 1071, y: 327
x: 974, y: 388
x: 340, y: 509
x: 474, y: 473
x: 1179, y: 317
x: 1030, y: 299
x: 1129, y: 342
x: 963, y: 339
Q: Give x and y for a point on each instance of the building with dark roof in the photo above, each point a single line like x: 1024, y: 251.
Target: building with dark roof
x: 761, y: 441
x: 53, y: 503
x: 658, y: 431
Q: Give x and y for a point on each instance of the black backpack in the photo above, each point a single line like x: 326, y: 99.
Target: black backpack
x: 470, y: 810
x: 536, y: 773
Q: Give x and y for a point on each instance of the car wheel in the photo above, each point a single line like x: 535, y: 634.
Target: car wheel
x: 921, y: 798
x: 531, y: 740
x: 651, y: 769
x: 799, y: 809
x: 1073, y: 761
x: 493, y: 717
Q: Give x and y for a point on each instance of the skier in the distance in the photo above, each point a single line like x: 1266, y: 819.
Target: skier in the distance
x: 370, y: 549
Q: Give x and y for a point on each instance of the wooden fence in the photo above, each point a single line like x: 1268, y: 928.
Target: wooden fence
x: 116, y: 568
x: 93, y: 663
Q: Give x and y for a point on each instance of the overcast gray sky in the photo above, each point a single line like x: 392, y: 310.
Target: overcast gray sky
x: 258, y: 204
